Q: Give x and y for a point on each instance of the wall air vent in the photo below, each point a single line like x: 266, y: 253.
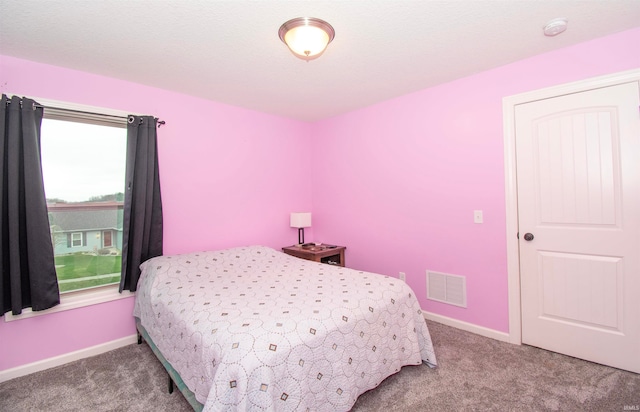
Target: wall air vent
x: 445, y: 288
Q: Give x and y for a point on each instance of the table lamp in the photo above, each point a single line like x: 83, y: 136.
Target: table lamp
x: 300, y: 220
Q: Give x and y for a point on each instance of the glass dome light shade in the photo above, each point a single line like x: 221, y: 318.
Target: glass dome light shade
x: 306, y: 37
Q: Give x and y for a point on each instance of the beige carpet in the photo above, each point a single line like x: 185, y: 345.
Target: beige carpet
x: 474, y: 374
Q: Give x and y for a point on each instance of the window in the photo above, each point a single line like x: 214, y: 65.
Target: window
x: 83, y: 167
x: 73, y: 148
x: 76, y: 239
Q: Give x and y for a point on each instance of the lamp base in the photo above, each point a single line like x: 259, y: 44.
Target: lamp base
x: 300, y: 235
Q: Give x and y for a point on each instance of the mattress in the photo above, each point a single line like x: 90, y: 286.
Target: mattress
x: 252, y: 328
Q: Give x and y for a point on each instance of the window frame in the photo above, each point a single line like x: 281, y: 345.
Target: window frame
x: 84, y: 114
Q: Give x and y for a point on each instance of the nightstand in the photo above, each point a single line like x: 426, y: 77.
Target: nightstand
x: 330, y: 254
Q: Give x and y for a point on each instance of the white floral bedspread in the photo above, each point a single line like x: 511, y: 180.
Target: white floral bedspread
x: 252, y: 328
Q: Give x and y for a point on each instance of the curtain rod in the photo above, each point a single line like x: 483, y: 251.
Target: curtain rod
x: 160, y: 122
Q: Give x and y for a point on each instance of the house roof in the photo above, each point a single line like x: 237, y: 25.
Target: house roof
x: 79, y: 217
x: 230, y: 52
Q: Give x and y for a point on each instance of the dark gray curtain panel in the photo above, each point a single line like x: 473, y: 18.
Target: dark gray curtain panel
x: 142, y: 221
x: 26, y: 252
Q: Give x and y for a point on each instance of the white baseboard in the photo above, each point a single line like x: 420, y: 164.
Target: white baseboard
x: 469, y: 327
x: 41, y: 365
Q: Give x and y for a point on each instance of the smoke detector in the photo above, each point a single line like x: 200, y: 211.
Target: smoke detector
x: 555, y: 27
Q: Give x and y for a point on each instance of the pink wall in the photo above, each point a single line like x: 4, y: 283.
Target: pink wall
x: 227, y: 174
x: 397, y: 182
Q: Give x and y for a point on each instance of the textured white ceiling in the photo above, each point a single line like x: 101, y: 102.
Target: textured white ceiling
x: 229, y: 51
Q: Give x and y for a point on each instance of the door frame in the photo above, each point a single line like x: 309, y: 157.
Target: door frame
x: 511, y: 194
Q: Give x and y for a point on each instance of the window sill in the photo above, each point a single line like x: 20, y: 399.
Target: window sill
x: 74, y: 300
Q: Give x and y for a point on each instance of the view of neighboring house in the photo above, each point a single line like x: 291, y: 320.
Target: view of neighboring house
x: 93, y: 227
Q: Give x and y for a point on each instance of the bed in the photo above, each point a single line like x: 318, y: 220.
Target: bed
x: 251, y: 328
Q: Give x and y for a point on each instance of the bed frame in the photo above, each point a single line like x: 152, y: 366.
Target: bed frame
x: 174, y: 377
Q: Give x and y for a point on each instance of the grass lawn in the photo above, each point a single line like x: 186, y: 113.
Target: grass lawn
x: 80, y: 266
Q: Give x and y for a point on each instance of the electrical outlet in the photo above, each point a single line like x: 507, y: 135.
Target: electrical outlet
x: 402, y: 277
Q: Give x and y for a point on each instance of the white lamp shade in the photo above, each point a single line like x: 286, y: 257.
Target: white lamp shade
x: 301, y: 219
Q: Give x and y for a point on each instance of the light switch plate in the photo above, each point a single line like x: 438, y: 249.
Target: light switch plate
x: 477, y: 216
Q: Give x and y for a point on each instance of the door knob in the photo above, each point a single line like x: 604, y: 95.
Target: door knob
x: 528, y: 237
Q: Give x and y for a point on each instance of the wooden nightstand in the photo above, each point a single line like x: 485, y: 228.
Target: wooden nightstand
x: 330, y: 254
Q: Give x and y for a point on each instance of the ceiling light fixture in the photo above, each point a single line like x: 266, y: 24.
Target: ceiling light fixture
x: 306, y: 37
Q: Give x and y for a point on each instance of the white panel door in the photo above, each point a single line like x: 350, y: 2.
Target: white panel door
x: 578, y: 176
